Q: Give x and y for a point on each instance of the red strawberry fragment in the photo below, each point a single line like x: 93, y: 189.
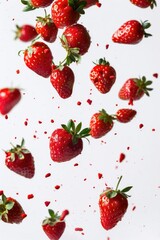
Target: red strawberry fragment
x: 144, y: 3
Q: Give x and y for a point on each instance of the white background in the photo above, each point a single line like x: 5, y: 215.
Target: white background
x: 141, y: 165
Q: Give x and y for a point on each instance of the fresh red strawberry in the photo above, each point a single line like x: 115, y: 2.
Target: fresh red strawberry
x: 90, y: 3
x: 25, y: 33
x: 53, y: 226
x: 66, y: 12
x: 103, y: 76
x: 66, y: 142
x: 100, y: 124
x: 10, y: 210
x: 134, y: 89
x: 38, y: 57
x: 62, y: 80
x: 113, y: 205
x: 33, y: 4
x: 144, y: 3
x: 131, y: 32
x: 76, y: 41
x: 9, y: 97
x: 125, y: 115
x: 46, y: 28
x: 20, y: 160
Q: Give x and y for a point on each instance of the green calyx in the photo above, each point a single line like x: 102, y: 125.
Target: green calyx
x: 113, y: 193
x: 105, y: 117
x: 52, y: 219
x: 5, y: 206
x: 18, y: 150
x: 145, y: 26
x: 76, y: 131
x: 17, y: 32
x: 46, y: 20
x: 102, y: 61
x: 28, y: 5
x: 143, y: 85
x: 72, y: 53
x: 153, y: 4
x: 77, y: 5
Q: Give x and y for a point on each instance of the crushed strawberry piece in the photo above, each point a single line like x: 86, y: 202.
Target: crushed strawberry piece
x: 57, y: 187
x: 47, y: 175
x: 100, y: 175
x: 47, y: 203
x: 78, y: 229
x: 121, y: 157
x: 141, y: 125
x: 89, y: 101
x: 30, y: 196
x: 155, y: 75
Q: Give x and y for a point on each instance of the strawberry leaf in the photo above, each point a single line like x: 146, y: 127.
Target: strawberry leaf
x: 126, y: 189
x: 9, y: 205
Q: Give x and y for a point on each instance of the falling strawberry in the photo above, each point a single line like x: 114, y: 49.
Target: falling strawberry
x: 144, y: 3
x: 66, y: 142
x: 25, y: 33
x: 38, y: 57
x: 134, y: 89
x: 9, y: 97
x: 113, y: 205
x: 125, y: 115
x: 33, y: 4
x: 46, y: 28
x: 10, y: 210
x: 66, y: 12
x: 53, y: 226
x: 62, y: 79
x: 20, y: 160
x: 76, y: 41
x: 100, y: 124
x: 131, y: 32
x: 103, y: 76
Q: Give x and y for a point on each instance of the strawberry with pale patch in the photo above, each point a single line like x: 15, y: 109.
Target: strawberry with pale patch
x: 131, y: 32
x: 54, y: 225
x: 62, y: 79
x: 25, y: 33
x: 144, y: 3
x: 125, y: 115
x: 11, y: 210
x: 134, y: 89
x: 38, y: 57
x: 19, y: 160
x: 113, y: 205
x: 9, y: 98
x: 103, y: 76
x: 34, y: 4
x: 66, y: 142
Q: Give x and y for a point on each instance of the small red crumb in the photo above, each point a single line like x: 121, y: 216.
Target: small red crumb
x: 6, y: 116
x: 47, y: 203
x: 52, y: 121
x: 98, y: 4
x: 17, y: 193
x: 121, y: 157
x: 45, y: 132
x: 134, y: 207
x: 155, y: 75
x: 76, y: 164
x: 84, y: 179
x: 64, y: 214
x: 103, y: 142
x: 57, y: 187
x: 1, y: 192
x: 153, y: 129
x: 30, y: 196
x: 97, y: 44
x: 34, y: 136
x: 107, y: 46
x: 25, y: 123
x: 39, y: 122
x: 108, y: 238
x: 100, y: 175
x: 79, y: 103
x: 115, y: 133
x: 23, y: 215
x: 47, y: 175
x: 58, y: 107
x: 17, y: 71
x: 141, y: 125
x: 128, y: 148
x: 78, y: 229
x: 89, y: 101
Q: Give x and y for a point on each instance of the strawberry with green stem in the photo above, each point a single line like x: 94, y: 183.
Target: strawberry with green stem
x: 134, y: 89
x: 11, y: 210
x: 113, y: 205
x: 25, y: 33
x: 34, y: 4
x: 144, y: 3
x: 66, y: 142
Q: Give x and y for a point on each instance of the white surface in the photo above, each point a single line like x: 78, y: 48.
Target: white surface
x: 141, y: 166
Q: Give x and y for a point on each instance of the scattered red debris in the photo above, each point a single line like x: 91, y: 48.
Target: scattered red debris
x: 57, y: 187
x: 1, y: 192
x: 45, y: 132
x: 47, y: 203
x: 89, y: 101
x: 78, y: 229
x: 64, y: 214
x: 153, y: 129
x: 79, y: 103
x: 134, y: 207
x: 18, y: 71
x: 47, y: 175
x: 52, y: 121
x: 40, y: 122
x: 30, y: 196
x: 25, y: 123
x: 76, y: 164
x: 100, y: 175
x: 141, y: 125
x: 122, y: 157
x: 6, y: 116
x: 155, y: 75
x: 107, y: 46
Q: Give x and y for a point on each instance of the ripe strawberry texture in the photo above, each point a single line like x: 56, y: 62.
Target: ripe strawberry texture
x: 125, y: 115
x: 33, y: 4
x: 25, y: 33
x: 113, y: 205
x: 144, y: 3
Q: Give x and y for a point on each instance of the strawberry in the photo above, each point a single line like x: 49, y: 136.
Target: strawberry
x: 9, y: 97
x: 100, y: 124
x: 90, y: 3
x: 134, y: 89
x: 66, y: 142
x: 103, y: 76
x: 131, y: 32
x: 38, y: 57
x: 125, y: 115
x: 20, y: 160
x: 10, y: 210
x: 25, y: 33
x: 113, y: 205
x: 46, y: 28
x: 62, y: 79
x: 144, y: 3
x: 66, y: 12
x: 53, y: 226
x: 76, y: 41
x: 33, y: 4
